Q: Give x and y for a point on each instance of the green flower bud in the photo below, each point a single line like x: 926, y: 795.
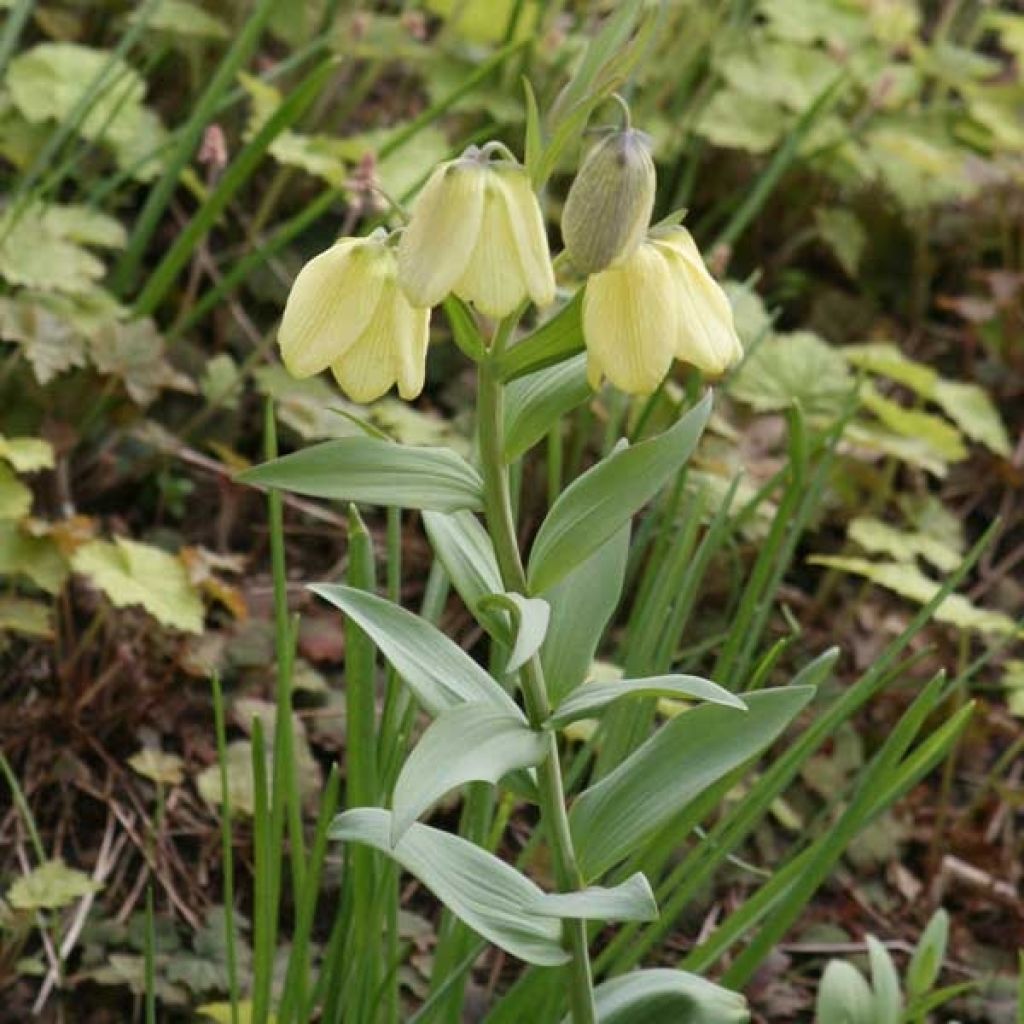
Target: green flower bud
x: 609, y: 204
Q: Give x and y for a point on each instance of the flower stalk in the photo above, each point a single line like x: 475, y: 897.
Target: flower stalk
x: 501, y: 527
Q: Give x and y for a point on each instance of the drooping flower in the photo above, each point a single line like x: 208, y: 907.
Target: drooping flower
x: 657, y: 304
x: 608, y: 209
x: 707, y: 334
x: 476, y: 230
x: 347, y: 311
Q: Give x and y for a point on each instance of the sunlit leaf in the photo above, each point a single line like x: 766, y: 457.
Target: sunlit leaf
x: 20, y: 615
x: 798, y: 368
x: 26, y: 454
x: 158, y: 766
x: 880, y: 538
x: 909, y: 581
x: 130, y: 573
x: 50, y: 886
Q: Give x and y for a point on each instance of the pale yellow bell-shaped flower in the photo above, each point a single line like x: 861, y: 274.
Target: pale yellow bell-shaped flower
x: 657, y: 304
x: 706, y: 334
x: 630, y: 322
x: 476, y: 230
x: 347, y: 311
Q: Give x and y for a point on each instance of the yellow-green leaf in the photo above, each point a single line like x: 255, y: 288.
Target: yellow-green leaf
x: 15, y: 497
x: 50, y: 886
x: 159, y: 766
x: 907, y: 580
x: 26, y: 454
x: 20, y: 615
x: 130, y: 573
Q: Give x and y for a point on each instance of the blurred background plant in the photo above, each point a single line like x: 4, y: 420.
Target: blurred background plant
x: 854, y: 169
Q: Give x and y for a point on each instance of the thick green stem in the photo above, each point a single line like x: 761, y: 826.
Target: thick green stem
x: 555, y: 820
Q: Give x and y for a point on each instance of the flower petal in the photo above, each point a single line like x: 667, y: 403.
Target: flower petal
x: 630, y: 322
x: 443, y: 229
x: 706, y: 335
x: 412, y: 332
x: 330, y: 304
x: 530, y: 235
x: 493, y: 279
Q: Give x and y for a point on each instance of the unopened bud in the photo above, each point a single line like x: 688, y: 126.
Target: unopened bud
x: 609, y: 204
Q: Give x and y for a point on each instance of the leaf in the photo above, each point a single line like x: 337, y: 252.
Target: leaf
x: 50, y: 886
x: 38, y: 558
x: 241, y: 788
x: 582, y: 604
x: 556, y: 340
x: 465, y: 743
x: 536, y: 403
x: 631, y: 900
x: 974, y: 412
x: 84, y: 225
x: 222, y: 1013
x: 592, y: 698
x: 134, y: 352
x: 877, y: 537
x: 658, y: 995
x: 939, y: 436
x: 797, y: 368
x: 15, y: 497
x: 50, y: 341
x: 885, y: 981
x: 464, y: 549
x: 596, y: 505
x: 179, y: 17
x: 366, y: 469
x: 221, y: 382
x: 487, y: 894
x: 735, y: 121
x: 886, y: 360
x: 530, y: 617
x: 438, y: 671
x: 34, y: 254
x: 622, y: 811
x: 844, y: 995
x: 32, y: 618
x: 158, y: 766
x: 130, y: 573
x: 27, y: 454
x: 844, y: 234
x: 926, y: 961
x: 908, y: 581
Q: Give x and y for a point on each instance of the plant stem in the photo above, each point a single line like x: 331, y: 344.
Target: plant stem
x: 501, y: 525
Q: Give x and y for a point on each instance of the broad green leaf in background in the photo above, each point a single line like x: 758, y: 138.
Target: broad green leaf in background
x: 26, y: 454
x: 582, y: 604
x: 465, y: 743
x: 179, y: 17
x: 134, y: 352
x: 907, y: 580
x: 885, y: 982
x: 536, y: 403
x: 486, y: 893
x: 435, y: 668
x: 735, y: 121
x: 844, y: 996
x: 37, y: 558
x: 47, y: 81
x: 659, y: 995
x: 158, y: 766
x: 688, y: 754
x: 238, y: 769
x: 596, y: 505
x: 844, y: 234
x: 973, y: 411
x: 50, y: 886
x: 130, y: 573
x: 902, y: 545
x: 631, y: 900
x: 592, y: 698
x: 15, y: 497
x: 798, y: 368
x: 940, y: 436
x: 367, y: 469
x: 36, y: 253
x: 20, y: 615
x: 50, y: 340
x: 485, y: 21
x: 530, y: 617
